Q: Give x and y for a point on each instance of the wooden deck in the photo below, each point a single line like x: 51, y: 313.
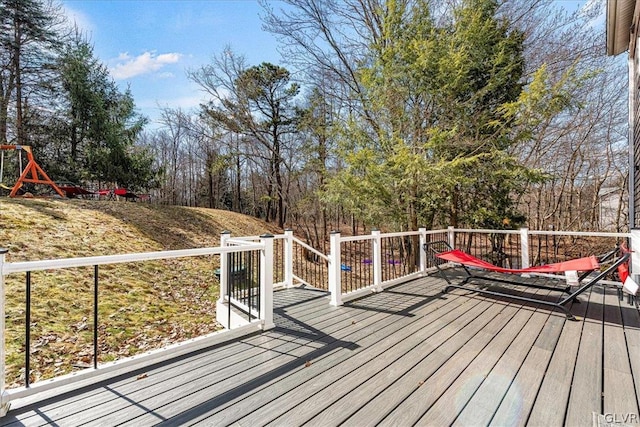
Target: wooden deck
x: 406, y: 356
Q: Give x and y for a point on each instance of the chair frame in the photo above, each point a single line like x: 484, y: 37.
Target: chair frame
x: 435, y: 247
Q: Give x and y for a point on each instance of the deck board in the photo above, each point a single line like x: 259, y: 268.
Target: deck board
x: 412, y: 345
x: 391, y: 388
x: 618, y: 390
x: 454, y: 399
x: 334, y: 371
x: 166, y: 398
x: 481, y: 408
x: 281, y: 365
x: 556, y: 384
x: 586, y: 388
x: 436, y: 382
x: 408, y: 355
x: 518, y: 401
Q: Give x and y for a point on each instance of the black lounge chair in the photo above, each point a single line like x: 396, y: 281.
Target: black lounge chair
x: 442, y: 253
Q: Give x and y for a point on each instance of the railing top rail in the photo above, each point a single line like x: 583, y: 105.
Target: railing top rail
x: 357, y: 238
x: 244, y: 238
x: 545, y: 232
x: 23, y: 266
x: 442, y: 230
x: 485, y: 230
x: 255, y: 238
x: 309, y: 248
x: 241, y: 242
x: 401, y: 234
x: 579, y: 233
x: 396, y: 234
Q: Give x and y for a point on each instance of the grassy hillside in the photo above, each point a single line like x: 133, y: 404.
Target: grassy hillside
x: 141, y: 305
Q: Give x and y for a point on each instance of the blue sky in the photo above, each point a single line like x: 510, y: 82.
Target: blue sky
x: 149, y: 44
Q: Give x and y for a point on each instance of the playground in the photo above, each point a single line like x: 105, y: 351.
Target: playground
x: 33, y: 181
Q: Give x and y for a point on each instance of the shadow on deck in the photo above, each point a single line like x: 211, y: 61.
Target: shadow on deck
x: 409, y: 355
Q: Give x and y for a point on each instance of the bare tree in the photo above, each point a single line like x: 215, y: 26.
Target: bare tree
x: 579, y: 135
x: 258, y: 103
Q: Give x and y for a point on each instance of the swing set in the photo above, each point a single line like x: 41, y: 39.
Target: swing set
x: 32, y: 172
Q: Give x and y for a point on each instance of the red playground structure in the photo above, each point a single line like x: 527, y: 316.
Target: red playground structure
x: 32, y: 173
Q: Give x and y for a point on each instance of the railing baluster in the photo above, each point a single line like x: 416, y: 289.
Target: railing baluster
x: 4, y: 405
x: 95, y: 316
x: 229, y: 284
x: 256, y: 259
x: 249, y: 281
x: 27, y: 344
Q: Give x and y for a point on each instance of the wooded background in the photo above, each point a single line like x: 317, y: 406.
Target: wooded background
x: 388, y: 113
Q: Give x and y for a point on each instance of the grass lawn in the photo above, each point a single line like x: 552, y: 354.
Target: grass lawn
x: 142, y: 306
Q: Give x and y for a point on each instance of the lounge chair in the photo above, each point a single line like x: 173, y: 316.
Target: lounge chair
x: 441, y: 253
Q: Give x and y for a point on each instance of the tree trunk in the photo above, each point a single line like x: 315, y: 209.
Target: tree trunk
x: 16, y: 65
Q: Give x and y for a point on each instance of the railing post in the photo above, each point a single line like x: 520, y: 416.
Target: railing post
x: 223, y: 308
x: 95, y: 316
x: 635, y: 254
x: 423, y: 254
x: 377, y: 260
x: 224, y: 267
x: 27, y: 332
x: 335, y: 287
x: 451, y: 236
x: 266, y: 282
x: 4, y: 405
x: 524, y: 248
x: 288, y: 258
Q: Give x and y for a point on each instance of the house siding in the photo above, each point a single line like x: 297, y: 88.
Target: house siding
x: 635, y: 105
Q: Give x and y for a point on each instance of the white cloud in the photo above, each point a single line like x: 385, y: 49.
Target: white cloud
x: 146, y: 63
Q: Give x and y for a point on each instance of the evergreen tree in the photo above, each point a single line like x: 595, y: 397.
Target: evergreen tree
x: 30, y: 35
x: 97, y: 137
x: 436, y: 88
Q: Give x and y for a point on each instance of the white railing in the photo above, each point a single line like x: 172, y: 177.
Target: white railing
x: 296, y: 262
x: 228, y: 298
x: 359, y: 265
x: 355, y: 266
x: 524, y: 247
x: 307, y: 265
x: 363, y: 264
x: 265, y: 320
